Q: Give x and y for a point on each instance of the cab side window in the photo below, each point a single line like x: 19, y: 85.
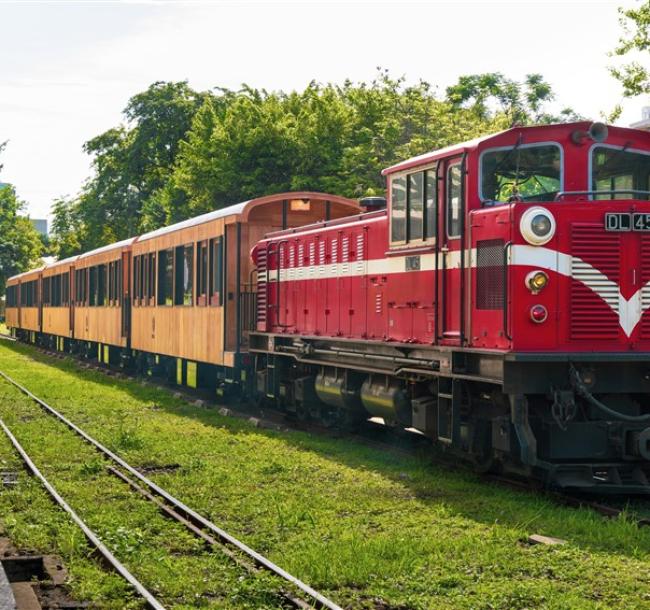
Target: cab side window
x: 398, y: 209
x: 453, y: 206
x: 413, y: 207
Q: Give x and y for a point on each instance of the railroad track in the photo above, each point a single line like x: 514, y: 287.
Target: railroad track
x: 294, y: 592
x: 369, y: 437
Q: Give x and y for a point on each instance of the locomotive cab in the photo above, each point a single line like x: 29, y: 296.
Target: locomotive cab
x: 554, y: 269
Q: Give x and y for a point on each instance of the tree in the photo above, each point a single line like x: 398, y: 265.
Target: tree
x: 181, y: 153
x: 133, y: 162
x: 516, y: 103
x: 335, y: 138
x: 20, y: 243
x: 66, y: 233
x: 634, y: 75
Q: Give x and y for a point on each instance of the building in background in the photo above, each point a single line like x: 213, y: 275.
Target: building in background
x: 644, y: 123
x: 40, y: 224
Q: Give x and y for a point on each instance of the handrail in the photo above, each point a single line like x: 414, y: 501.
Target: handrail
x: 563, y: 194
x: 463, y: 237
x: 277, y: 282
x: 506, y: 250
x: 436, y: 289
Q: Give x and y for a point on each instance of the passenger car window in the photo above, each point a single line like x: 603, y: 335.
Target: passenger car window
x: 528, y: 172
x: 216, y: 271
x: 184, y: 275
x: 166, y: 277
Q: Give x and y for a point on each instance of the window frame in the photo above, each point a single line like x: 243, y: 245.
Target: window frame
x: 494, y: 203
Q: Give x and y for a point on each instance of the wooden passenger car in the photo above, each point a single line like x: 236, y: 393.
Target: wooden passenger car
x: 56, y: 290
x: 193, y: 293
x: 23, y: 302
x: 99, y: 278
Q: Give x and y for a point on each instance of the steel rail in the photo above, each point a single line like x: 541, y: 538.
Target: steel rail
x: 261, y: 560
x: 151, y: 601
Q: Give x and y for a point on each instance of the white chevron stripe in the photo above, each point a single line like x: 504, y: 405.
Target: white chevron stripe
x: 629, y: 310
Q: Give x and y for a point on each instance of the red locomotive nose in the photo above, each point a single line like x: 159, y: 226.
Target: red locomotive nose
x: 538, y: 313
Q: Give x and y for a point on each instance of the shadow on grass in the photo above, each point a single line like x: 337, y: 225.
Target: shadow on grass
x: 458, y: 490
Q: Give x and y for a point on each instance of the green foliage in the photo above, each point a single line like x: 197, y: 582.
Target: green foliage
x: 182, y: 153
x: 635, y: 41
x: 20, y: 242
x: 66, y: 230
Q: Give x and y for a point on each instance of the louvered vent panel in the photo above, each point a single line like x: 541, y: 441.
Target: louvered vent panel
x: 595, y: 269
x: 645, y: 278
x: 261, y: 288
x: 490, y: 286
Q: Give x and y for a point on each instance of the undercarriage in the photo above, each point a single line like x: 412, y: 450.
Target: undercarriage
x: 579, y: 422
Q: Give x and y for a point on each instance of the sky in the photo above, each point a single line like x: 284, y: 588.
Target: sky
x: 69, y: 68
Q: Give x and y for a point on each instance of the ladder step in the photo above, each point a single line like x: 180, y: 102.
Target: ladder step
x: 445, y: 395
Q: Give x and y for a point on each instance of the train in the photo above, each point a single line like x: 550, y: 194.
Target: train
x: 495, y: 301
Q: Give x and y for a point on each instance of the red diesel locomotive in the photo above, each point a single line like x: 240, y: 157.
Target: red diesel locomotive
x: 498, y: 305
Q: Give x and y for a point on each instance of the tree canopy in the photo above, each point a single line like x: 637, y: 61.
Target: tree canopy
x: 634, y: 42
x: 181, y: 152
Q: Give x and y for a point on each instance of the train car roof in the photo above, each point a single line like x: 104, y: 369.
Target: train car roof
x: 231, y: 210
x: 63, y: 261
x: 26, y: 273
x: 243, y: 209
x: 116, y: 246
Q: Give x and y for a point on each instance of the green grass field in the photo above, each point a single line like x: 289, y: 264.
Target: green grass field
x: 372, y: 529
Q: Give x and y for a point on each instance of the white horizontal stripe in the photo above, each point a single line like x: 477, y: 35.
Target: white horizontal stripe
x: 629, y: 311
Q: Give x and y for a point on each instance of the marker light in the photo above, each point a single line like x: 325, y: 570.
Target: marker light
x: 538, y: 313
x: 536, y: 280
x: 537, y: 226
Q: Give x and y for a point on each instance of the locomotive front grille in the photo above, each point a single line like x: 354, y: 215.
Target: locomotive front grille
x: 595, y: 270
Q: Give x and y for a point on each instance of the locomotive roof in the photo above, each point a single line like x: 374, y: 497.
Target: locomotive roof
x: 470, y: 145
x: 441, y: 152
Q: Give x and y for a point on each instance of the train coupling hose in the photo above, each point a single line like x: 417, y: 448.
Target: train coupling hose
x: 581, y: 389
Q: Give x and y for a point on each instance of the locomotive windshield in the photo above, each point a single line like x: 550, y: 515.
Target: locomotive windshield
x: 619, y: 173
x: 528, y: 173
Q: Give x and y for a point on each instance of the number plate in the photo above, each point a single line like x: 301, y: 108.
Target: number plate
x: 627, y: 222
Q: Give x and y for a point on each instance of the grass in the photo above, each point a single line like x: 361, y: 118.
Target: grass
x: 372, y: 529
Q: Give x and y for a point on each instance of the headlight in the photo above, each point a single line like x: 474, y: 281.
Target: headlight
x: 536, y: 281
x: 537, y: 226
